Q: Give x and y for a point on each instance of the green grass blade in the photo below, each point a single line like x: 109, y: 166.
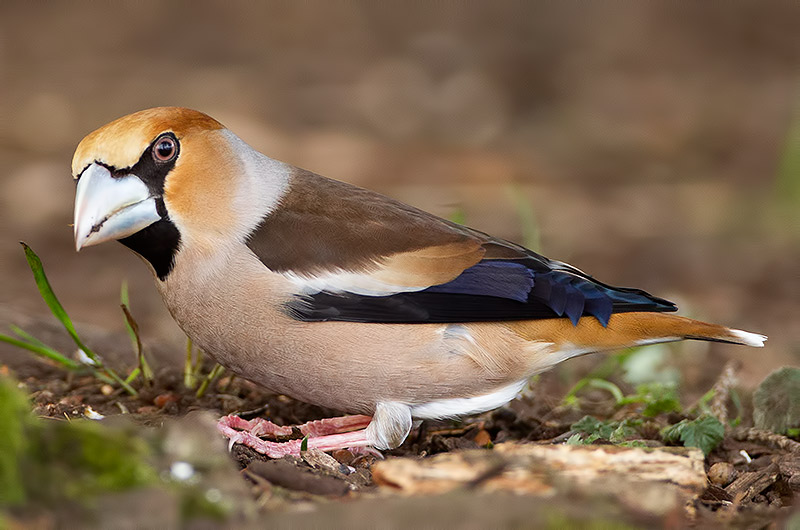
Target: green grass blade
x: 123, y: 293
x: 125, y: 386
x: 144, y: 367
x: 213, y: 374
x: 42, y: 350
x: 124, y: 300
x: 27, y: 336
x: 104, y: 378
x: 571, y: 399
x: 197, y: 367
x: 133, y: 375
x: 46, y: 291
x: 47, y: 294
x: 609, y: 387
x: 189, y: 379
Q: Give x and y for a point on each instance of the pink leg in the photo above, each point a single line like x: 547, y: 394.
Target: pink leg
x: 262, y: 427
x: 330, y: 442
x: 328, y: 434
x: 334, y: 425
x: 256, y: 426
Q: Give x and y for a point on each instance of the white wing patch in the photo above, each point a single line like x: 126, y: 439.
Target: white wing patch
x: 450, y: 408
x: 362, y: 283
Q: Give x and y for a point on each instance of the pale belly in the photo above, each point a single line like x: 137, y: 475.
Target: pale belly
x: 346, y: 366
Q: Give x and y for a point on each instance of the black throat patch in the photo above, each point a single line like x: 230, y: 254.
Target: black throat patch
x: 158, y: 244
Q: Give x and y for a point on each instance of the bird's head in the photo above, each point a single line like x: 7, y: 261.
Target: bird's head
x: 161, y: 177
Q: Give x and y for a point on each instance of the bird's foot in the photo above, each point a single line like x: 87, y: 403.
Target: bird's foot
x: 330, y: 434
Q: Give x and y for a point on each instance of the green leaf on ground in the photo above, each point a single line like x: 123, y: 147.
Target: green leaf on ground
x: 611, y: 431
x: 776, y: 403
x: 705, y: 433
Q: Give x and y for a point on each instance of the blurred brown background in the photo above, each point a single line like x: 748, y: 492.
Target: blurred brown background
x: 647, y: 143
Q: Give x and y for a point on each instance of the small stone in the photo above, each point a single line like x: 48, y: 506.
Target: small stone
x: 722, y: 474
x: 106, y: 390
x: 162, y: 400
x: 483, y: 438
x: 343, y: 456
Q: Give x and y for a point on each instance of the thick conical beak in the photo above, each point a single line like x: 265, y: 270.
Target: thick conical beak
x: 108, y: 208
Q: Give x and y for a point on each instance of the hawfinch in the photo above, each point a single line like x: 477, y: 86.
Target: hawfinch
x: 338, y: 296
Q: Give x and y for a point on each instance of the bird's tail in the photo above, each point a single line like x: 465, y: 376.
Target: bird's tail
x: 629, y: 329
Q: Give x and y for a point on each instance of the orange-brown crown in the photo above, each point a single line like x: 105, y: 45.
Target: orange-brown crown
x: 121, y: 143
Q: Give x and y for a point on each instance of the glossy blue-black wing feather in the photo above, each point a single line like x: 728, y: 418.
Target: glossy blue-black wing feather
x: 523, y: 288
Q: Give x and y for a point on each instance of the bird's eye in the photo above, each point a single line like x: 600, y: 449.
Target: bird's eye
x: 165, y: 148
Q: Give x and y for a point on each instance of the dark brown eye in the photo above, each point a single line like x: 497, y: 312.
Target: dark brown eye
x: 165, y: 148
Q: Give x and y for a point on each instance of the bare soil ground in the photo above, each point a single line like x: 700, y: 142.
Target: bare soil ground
x: 763, y: 474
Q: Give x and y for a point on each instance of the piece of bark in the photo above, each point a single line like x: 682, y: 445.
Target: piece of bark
x: 767, y: 438
x: 790, y: 469
x: 751, y: 483
x: 653, y: 480
x: 715, y: 495
x: 288, y: 475
x: 325, y: 462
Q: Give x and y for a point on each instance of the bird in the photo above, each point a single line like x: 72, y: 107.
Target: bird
x: 339, y: 296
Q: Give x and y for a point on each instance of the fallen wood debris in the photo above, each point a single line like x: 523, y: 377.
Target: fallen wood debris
x: 653, y: 480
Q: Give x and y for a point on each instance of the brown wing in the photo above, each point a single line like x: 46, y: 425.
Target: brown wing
x: 324, y: 226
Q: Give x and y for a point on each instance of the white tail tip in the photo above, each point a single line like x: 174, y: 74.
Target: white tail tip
x: 749, y: 339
